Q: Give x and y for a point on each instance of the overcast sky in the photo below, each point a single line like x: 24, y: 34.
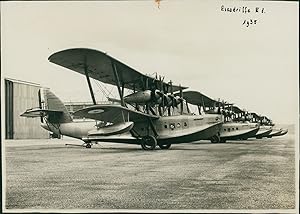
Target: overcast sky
x: 193, y: 43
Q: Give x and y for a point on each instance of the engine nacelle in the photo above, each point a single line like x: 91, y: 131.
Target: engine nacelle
x: 139, y: 97
x: 142, y: 97
x: 156, y: 96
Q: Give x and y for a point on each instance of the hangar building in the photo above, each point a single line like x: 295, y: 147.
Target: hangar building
x: 20, y: 96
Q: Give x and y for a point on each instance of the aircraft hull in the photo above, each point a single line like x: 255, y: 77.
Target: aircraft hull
x: 237, y: 130
x: 201, y: 134
x: 244, y: 135
x: 282, y: 132
x: 192, y: 128
x: 264, y: 131
x: 274, y: 132
x: 185, y: 128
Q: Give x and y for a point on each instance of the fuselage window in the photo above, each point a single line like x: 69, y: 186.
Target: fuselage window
x: 237, y: 128
x: 232, y: 129
x: 178, y: 125
x: 228, y: 129
x: 185, y: 124
x: 225, y: 130
x: 172, y: 126
x: 166, y: 126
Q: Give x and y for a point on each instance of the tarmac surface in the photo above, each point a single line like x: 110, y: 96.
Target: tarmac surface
x: 252, y: 174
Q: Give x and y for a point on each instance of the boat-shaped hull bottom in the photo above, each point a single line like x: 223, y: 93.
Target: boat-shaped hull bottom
x: 264, y: 134
x: 283, y: 132
x: 242, y: 136
x: 127, y: 138
x: 204, y: 134
x: 274, y: 133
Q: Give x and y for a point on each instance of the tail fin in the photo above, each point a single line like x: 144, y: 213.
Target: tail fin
x: 48, y: 101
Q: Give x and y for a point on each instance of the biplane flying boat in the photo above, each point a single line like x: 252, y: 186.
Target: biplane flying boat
x: 230, y: 130
x: 276, y: 132
x: 150, y: 115
x: 267, y: 124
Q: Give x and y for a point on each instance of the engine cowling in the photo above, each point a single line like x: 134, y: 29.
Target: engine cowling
x: 139, y: 97
x: 142, y: 97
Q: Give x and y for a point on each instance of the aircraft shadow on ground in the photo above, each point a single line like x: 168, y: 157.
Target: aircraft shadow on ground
x: 131, y: 149
x: 107, y: 149
x: 174, y: 147
x: 229, y: 142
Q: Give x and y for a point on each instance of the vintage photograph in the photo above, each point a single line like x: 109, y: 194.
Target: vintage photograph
x: 176, y: 106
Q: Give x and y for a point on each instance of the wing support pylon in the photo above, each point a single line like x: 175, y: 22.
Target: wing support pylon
x: 88, y: 81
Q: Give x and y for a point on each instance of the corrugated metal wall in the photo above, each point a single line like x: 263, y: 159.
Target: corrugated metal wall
x: 25, y: 96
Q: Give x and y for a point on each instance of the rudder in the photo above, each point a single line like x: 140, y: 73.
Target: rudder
x: 48, y: 101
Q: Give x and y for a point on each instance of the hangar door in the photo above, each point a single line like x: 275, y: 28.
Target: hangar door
x: 9, y: 125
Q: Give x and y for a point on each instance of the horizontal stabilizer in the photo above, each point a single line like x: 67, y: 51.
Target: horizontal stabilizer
x: 37, y: 112
x: 113, y: 113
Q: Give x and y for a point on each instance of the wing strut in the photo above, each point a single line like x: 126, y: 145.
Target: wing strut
x: 199, y: 109
x: 89, y: 82
x: 204, y: 107
x: 118, y: 82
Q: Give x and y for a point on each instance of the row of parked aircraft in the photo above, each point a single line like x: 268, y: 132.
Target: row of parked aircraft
x: 155, y: 112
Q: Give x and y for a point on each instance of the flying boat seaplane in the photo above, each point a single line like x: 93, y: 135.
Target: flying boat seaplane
x: 150, y: 115
x: 275, y: 131
x: 265, y: 127
x: 267, y: 123
x: 230, y: 130
x: 243, y: 118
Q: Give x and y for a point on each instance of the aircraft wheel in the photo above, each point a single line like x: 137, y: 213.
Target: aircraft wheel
x: 222, y: 140
x: 215, y: 139
x: 148, y: 142
x: 88, y: 145
x: 165, y: 146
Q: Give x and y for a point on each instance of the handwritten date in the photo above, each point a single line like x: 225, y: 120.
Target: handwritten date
x: 249, y: 22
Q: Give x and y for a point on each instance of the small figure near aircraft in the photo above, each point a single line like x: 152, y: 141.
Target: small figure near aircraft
x: 151, y: 115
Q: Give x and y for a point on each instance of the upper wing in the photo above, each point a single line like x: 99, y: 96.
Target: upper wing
x: 258, y: 117
x: 100, y: 67
x: 235, y: 109
x: 197, y: 98
x: 113, y: 113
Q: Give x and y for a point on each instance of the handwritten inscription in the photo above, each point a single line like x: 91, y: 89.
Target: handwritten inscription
x: 245, y: 10
x: 250, y: 22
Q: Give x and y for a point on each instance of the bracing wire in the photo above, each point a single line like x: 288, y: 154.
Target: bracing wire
x: 105, y: 92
